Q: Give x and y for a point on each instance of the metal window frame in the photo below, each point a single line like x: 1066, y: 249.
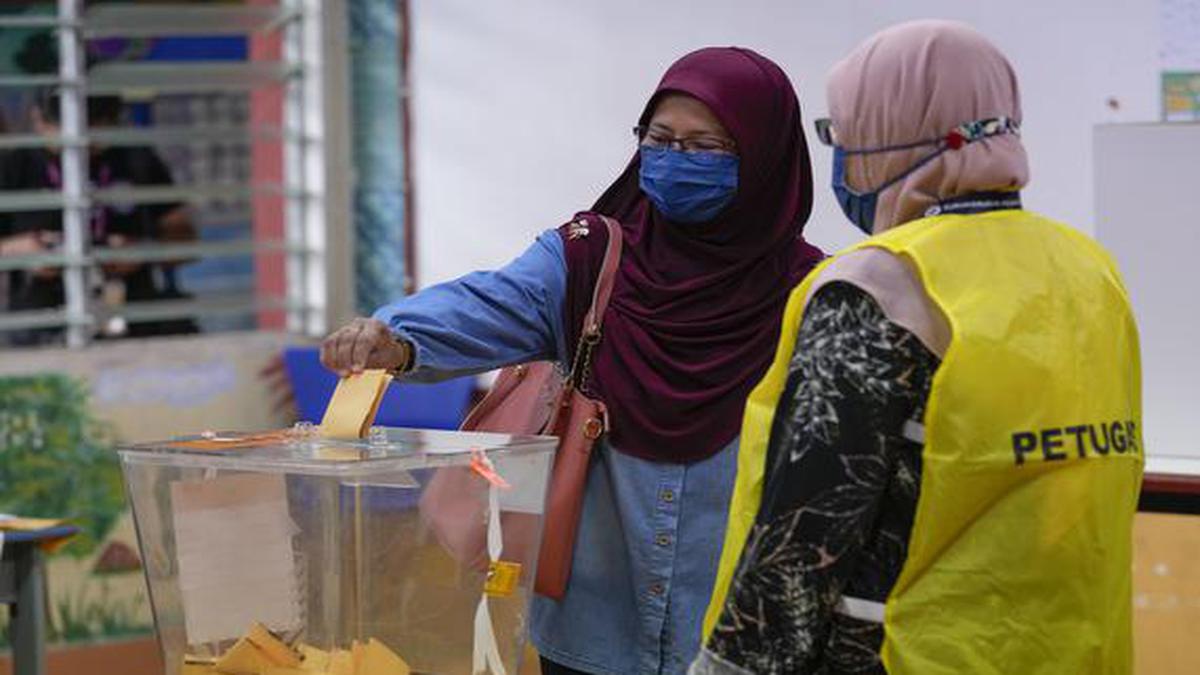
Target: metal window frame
x: 306, y: 27
x: 76, y: 207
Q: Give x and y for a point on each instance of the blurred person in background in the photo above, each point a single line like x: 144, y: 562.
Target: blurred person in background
x: 110, y: 225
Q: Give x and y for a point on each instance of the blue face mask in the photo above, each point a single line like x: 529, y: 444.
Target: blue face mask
x: 859, y: 207
x: 688, y: 187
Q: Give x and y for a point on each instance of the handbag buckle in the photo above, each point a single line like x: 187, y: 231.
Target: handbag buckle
x: 592, y: 428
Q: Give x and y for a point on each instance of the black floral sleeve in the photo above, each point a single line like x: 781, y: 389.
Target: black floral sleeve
x: 840, y: 494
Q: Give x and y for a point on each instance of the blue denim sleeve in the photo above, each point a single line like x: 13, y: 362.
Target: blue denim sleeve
x: 487, y: 320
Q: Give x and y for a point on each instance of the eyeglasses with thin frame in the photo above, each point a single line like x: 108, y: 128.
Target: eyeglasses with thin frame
x: 656, y: 138
x: 824, y: 129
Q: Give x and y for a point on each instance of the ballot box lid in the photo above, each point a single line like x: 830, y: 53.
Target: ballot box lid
x: 302, y: 450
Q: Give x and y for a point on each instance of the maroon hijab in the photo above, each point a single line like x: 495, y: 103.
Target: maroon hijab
x: 695, y: 311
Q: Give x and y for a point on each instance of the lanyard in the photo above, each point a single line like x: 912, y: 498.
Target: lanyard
x: 976, y: 202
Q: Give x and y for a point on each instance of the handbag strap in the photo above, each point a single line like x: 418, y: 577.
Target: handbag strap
x: 589, y: 336
x: 604, y: 281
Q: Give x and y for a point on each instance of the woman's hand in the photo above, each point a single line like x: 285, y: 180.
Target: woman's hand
x: 33, y: 243
x: 26, y: 243
x: 364, y: 344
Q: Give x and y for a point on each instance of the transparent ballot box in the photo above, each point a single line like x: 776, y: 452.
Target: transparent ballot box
x: 408, y: 551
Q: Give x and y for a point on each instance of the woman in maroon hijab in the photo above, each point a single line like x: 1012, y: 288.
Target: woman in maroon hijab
x: 712, y: 207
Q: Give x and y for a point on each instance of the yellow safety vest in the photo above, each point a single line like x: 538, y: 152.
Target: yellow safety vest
x: 1020, y: 555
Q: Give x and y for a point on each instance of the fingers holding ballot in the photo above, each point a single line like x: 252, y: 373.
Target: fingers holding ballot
x: 365, y: 344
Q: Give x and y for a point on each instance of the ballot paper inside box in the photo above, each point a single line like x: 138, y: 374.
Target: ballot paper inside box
x: 423, y: 542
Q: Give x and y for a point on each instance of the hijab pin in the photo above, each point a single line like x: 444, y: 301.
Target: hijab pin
x: 955, y: 139
x: 578, y: 229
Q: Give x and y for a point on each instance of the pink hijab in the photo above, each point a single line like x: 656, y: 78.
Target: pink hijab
x: 918, y: 81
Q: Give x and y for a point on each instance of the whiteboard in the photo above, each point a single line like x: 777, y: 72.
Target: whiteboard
x: 1147, y: 180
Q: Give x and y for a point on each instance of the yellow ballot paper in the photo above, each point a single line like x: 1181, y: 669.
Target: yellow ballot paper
x: 257, y: 652
x: 351, y: 411
x: 272, y: 647
x: 377, y: 659
x: 314, y: 660
x: 243, y: 659
x: 341, y: 663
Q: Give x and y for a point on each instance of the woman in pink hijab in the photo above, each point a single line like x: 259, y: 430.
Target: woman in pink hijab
x: 953, y: 456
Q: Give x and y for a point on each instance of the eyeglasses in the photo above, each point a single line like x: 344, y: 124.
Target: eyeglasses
x: 824, y: 128
x: 655, y: 138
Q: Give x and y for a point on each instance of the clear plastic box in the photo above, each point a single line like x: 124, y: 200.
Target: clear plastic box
x: 328, y: 543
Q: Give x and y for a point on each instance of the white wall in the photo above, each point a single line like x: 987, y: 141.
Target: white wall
x: 522, y: 108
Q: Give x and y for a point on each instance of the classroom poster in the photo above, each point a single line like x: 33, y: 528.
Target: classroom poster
x: 1181, y: 96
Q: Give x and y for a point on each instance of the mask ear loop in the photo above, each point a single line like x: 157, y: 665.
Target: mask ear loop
x: 903, y: 174
x: 958, y: 137
x: 965, y: 133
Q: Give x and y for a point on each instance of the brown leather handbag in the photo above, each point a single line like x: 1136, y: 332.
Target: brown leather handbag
x: 535, y: 398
